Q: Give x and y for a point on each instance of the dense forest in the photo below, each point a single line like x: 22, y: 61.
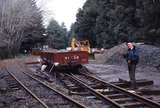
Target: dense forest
x: 20, y: 22
x: 106, y: 23
x: 21, y: 28
x: 57, y: 35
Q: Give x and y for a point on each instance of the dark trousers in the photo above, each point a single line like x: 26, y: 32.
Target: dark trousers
x: 131, y: 69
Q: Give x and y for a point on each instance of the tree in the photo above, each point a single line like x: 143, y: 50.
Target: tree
x: 57, y: 35
x: 109, y: 22
x: 17, y: 17
x: 85, y: 22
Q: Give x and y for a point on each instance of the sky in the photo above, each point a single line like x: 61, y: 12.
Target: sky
x: 61, y: 10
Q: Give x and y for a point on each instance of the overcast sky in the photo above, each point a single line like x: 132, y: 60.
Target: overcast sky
x: 61, y: 10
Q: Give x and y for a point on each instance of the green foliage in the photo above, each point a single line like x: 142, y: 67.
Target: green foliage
x: 109, y: 22
x: 57, y: 35
x: 19, y: 19
x: 86, y: 20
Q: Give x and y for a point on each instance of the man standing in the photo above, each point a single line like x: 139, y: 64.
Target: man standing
x: 132, y: 58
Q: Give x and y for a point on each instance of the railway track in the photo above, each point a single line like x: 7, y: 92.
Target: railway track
x: 134, y: 99
x: 111, y: 94
x: 25, y: 85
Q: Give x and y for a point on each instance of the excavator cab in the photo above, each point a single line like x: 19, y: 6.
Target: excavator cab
x: 85, y: 46
x: 81, y: 45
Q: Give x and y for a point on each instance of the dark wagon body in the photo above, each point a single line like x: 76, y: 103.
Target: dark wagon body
x: 63, y: 60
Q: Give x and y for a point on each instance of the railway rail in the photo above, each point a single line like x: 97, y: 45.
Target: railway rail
x: 69, y: 99
x: 114, y: 95
x: 139, y: 101
x: 111, y: 95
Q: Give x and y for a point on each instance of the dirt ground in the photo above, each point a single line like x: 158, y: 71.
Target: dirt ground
x: 112, y: 73
x: 111, y: 65
x: 111, y: 68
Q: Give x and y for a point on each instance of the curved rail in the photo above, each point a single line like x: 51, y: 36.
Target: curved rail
x: 97, y: 94
x: 142, y: 99
x: 61, y: 94
x: 29, y: 91
x: 47, y: 86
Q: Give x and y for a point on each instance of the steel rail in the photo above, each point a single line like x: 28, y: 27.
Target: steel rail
x: 142, y: 99
x: 51, y: 88
x: 97, y: 94
x: 29, y: 91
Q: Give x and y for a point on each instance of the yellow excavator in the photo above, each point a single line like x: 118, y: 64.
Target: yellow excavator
x: 80, y: 45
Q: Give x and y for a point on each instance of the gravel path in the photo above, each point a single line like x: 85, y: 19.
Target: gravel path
x: 114, y: 72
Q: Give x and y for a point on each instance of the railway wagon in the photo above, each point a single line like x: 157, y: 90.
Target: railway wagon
x: 63, y: 60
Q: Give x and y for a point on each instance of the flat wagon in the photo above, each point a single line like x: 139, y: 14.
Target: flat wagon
x: 64, y: 60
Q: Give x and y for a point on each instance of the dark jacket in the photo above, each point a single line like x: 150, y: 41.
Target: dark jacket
x: 133, y: 55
